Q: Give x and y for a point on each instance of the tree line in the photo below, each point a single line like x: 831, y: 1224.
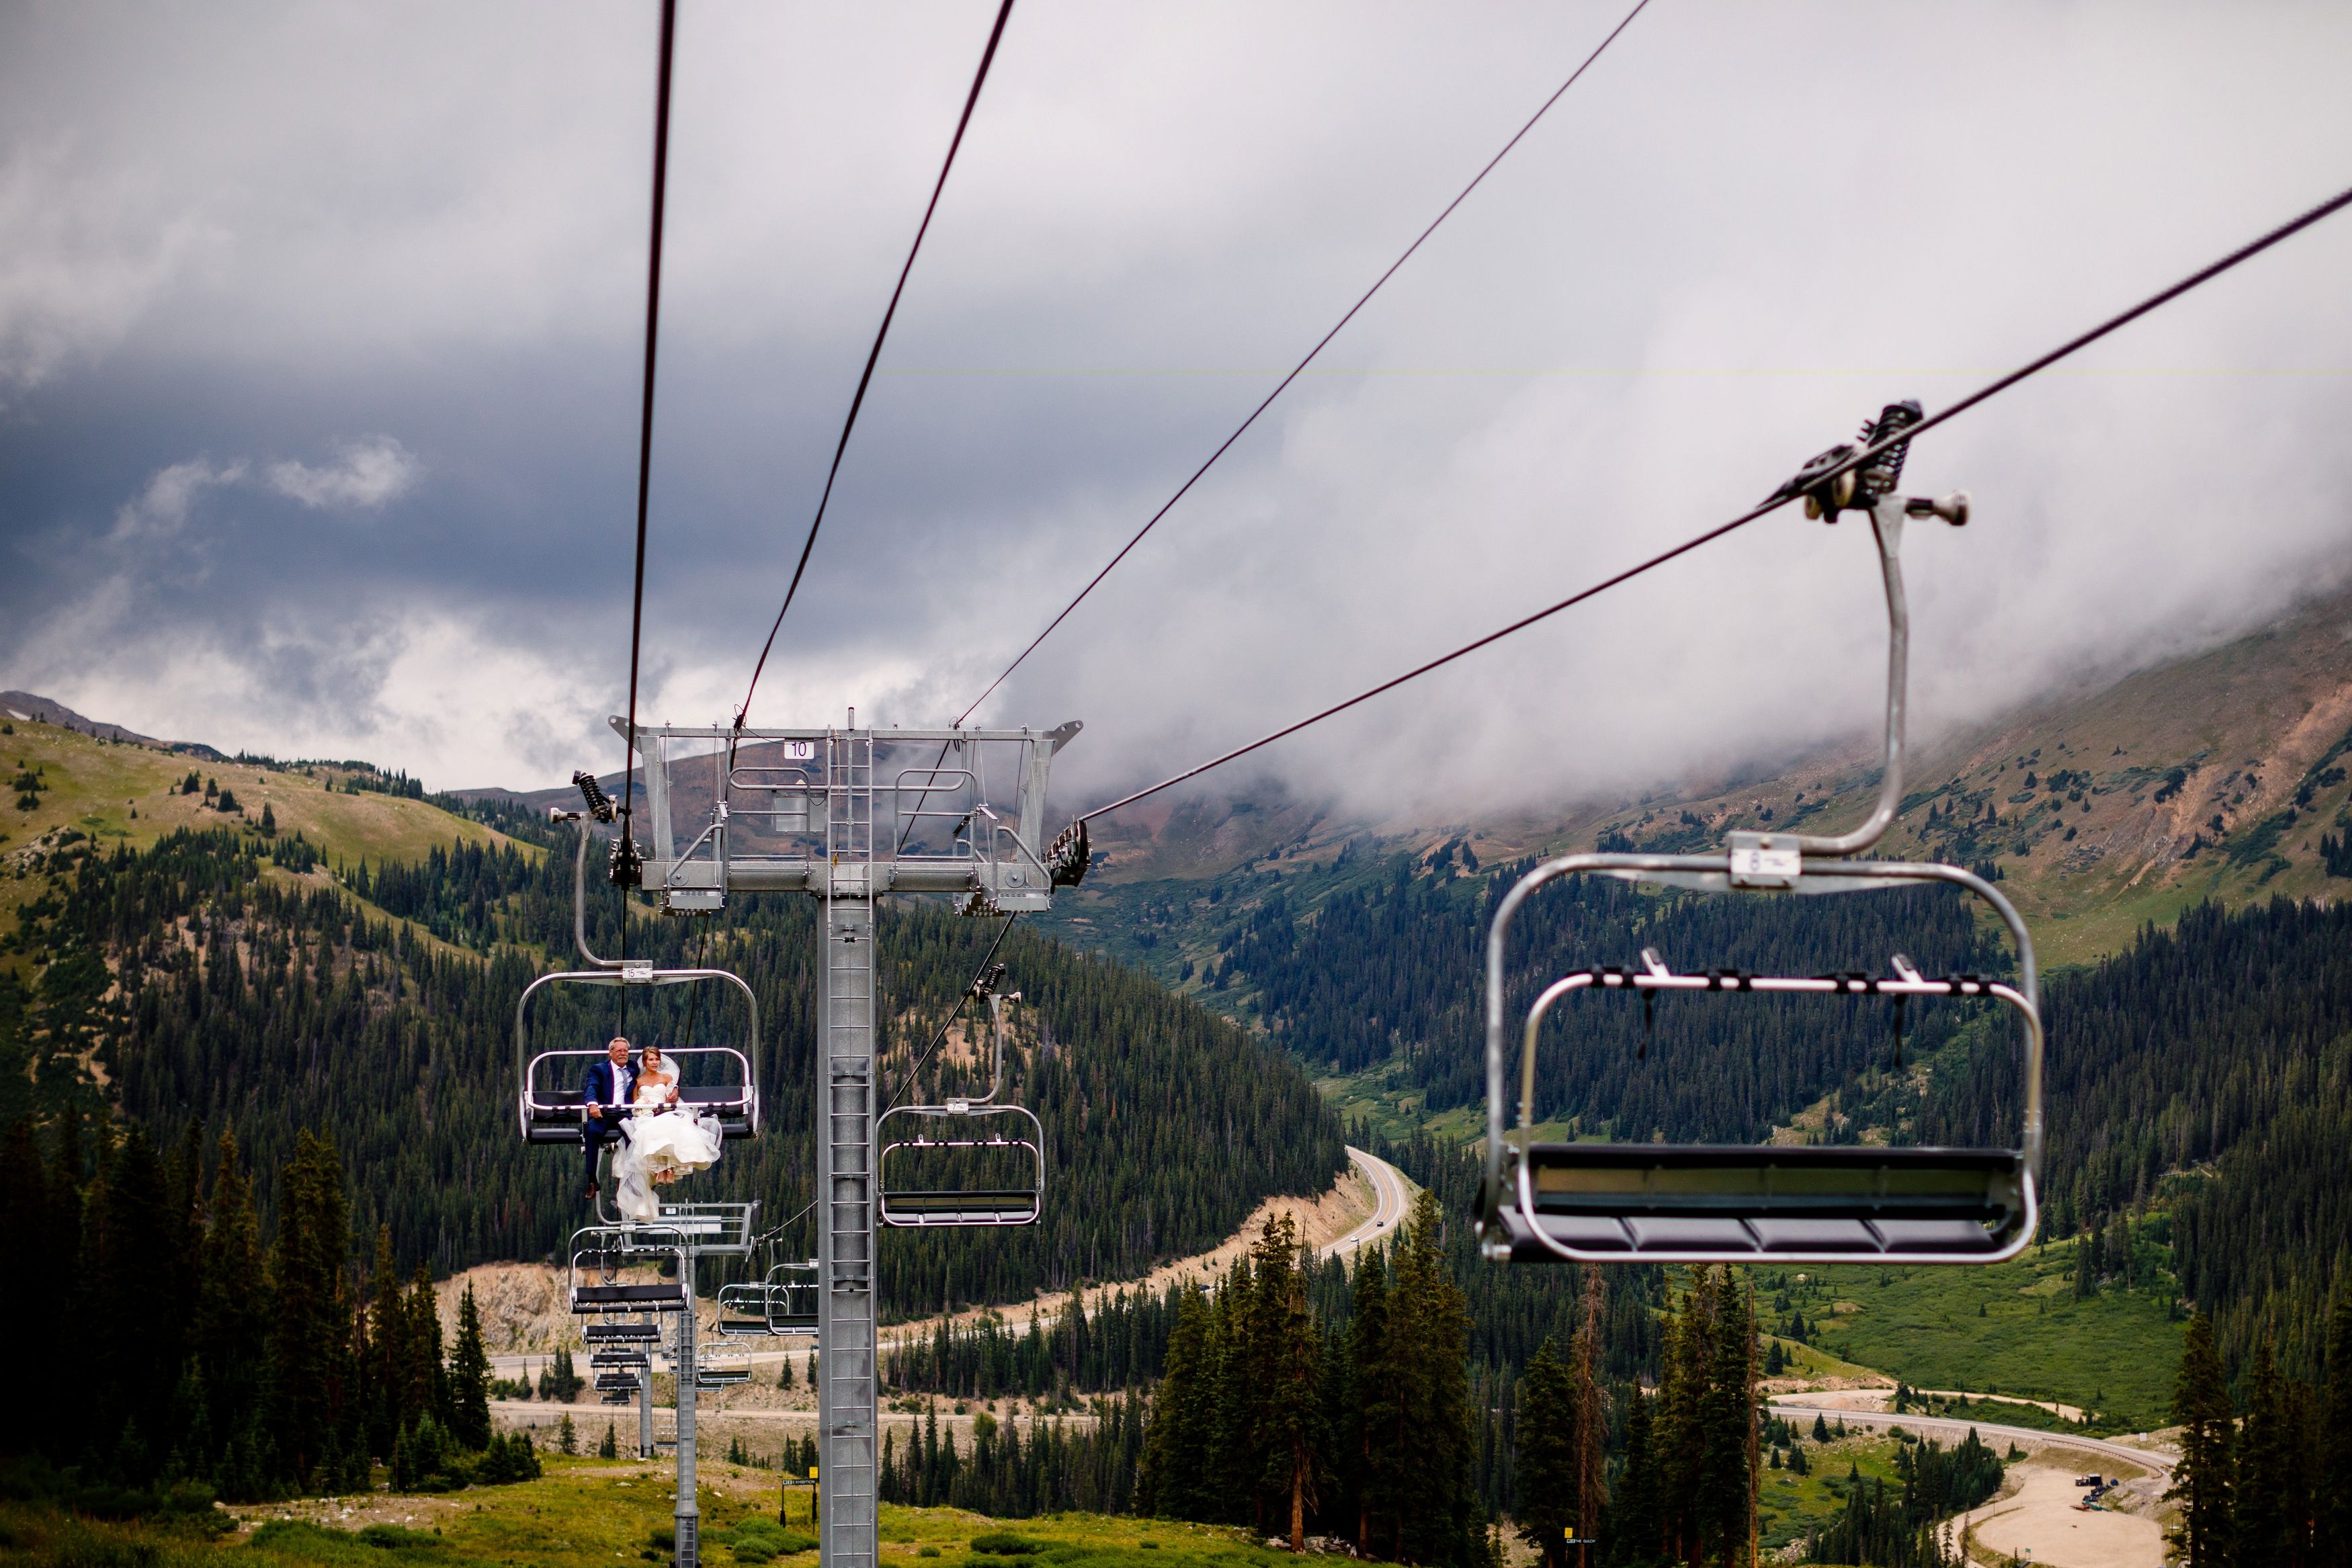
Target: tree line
x: 1267, y: 1417
x: 182, y: 1354
x: 2265, y: 1476
x: 210, y: 991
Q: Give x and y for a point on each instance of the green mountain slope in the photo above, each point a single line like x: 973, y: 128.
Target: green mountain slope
x: 204, y: 985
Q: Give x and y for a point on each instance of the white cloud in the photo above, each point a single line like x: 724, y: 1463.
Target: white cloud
x: 162, y: 507
x: 367, y: 474
x: 87, y: 254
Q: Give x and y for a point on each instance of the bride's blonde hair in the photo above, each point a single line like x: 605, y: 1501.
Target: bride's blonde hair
x: 651, y: 1053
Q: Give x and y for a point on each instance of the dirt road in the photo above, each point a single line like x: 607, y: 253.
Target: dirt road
x: 2039, y: 1520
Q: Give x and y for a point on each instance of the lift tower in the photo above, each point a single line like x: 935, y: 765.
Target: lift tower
x: 848, y: 816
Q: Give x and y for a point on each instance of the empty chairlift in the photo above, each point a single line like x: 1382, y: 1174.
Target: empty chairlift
x: 782, y: 1303
x: 959, y: 1130
x: 600, y: 1254
x: 1614, y: 1202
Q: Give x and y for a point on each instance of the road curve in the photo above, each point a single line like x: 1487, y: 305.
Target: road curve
x: 1391, y: 1198
x: 1956, y: 1427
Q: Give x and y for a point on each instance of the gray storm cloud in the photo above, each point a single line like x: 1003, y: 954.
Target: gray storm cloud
x: 262, y: 267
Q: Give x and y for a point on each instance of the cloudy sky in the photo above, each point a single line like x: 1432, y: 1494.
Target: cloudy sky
x: 319, y: 329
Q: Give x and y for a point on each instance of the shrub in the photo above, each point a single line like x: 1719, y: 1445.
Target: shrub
x: 926, y: 1551
x: 1005, y: 1543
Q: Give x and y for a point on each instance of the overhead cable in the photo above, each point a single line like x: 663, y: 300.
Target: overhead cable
x: 1812, y: 478
x: 858, y: 401
x: 1299, y: 369
x: 645, y: 450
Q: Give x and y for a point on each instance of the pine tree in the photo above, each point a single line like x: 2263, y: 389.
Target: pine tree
x: 1546, y: 1477
x: 2202, y: 1480
x: 427, y: 1380
x: 309, y: 1317
x: 470, y: 1378
x: 233, y: 1314
x: 1636, y: 1532
x: 567, y: 1436
x: 2334, y: 1481
x: 1437, y: 1522
x: 610, y: 1448
x: 1591, y: 1459
x: 387, y: 1349
x: 1377, y: 1459
x: 1287, y: 1351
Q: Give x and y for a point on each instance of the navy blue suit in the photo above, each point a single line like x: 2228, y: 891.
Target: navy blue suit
x: 596, y: 1089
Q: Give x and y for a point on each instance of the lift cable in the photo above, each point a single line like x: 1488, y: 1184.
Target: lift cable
x: 1300, y: 367
x: 1811, y: 478
x: 857, y: 402
x: 645, y: 454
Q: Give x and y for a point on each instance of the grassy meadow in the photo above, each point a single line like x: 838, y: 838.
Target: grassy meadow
x: 2014, y: 1329
x: 115, y: 793
x: 585, y: 1511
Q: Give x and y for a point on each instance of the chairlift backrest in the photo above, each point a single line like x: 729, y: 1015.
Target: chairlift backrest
x: 549, y: 1108
x: 1597, y: 1202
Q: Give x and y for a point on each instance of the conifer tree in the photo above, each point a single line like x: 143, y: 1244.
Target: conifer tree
x: 428, y: 1379
x: 387, y: 1349
x: 470, y: 1378
x: 2263, y: 1465
x: 1592, y: 1459
x: 1288, y: 1353
x: 2334, y: 1531
x: 1636, y: 1531
x: 232, y: 1312
x: 309, y: 1315
x: 1375, y: 1471
x: 1437, y: 1522
x: 2202, y: 1481
x: 1546, y: 1475
x: 1174, y: 1480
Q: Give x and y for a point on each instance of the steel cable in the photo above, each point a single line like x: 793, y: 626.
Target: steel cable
x: 1811, y: 479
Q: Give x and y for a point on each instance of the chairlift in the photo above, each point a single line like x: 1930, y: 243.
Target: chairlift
x: 1016, y: 1204
x: 618, y: 1383
x: 784, y: 1303
x: 721, y: 1365
x: 1663, y: 1203
x: 599, y: 1253
x: 549, y: 1111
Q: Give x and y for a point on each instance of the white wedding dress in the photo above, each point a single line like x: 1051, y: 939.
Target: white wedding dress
x: 660, y: 1138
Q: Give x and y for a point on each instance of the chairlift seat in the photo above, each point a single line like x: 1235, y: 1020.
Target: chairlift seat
x: 664, y: 1298
x: 613, y: 1382
x: 617, y: 1358
x: 1645, y: 1202
x: 622, y: 1334
x: 616, y: 1397
x: 1016, y: 1206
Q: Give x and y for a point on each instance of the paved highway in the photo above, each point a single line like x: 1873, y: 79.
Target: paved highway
x: 1391, y: 1200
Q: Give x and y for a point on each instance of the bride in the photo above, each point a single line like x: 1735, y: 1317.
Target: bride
x: 663, y: 1141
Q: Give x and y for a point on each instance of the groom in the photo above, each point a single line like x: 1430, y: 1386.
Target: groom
x: 607, y: 1092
